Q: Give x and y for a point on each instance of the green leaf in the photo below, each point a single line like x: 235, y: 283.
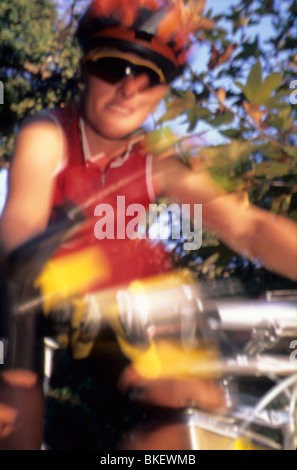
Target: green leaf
x: 248, y: 50
x: 275, y: 103
x: 259, y: 92
x: 291, y: 151
x: 160, y: 140
x: 222, y: 119
x: 232, y: 133
x: 276, y: 122
x: 174, y: 109
x: 258, y: 192
x: 229, y: 154
x: 212, y: 259
x: 254, y: 82
x: 271, y: 83
x: 293, y: 216
x: 239, y: 85
x: 196, y: 114
x: 278, y: 170
x: 285, y: 115
x: 177, y: 105
x: 281, y: 203
x: 224, y: 178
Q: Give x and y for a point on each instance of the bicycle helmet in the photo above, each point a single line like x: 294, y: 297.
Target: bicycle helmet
x: 157, y: 30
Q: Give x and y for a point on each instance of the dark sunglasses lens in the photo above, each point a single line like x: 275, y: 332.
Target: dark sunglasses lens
x: 106, y: 69
x: 154, y: 77
x: 112, y: 70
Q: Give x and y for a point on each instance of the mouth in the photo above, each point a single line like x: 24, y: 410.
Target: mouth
x: 120, y: 109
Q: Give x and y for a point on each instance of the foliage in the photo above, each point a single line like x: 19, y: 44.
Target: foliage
x: 245, y: 96
x: 38, y: 62
x: 245, y: 100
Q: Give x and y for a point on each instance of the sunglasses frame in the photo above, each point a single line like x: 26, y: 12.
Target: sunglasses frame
x: 95, y: 56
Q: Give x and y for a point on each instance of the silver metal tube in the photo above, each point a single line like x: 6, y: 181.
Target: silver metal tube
x: 260, y: 366
x: 248, y: 315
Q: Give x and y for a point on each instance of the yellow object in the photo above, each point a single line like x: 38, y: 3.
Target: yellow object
x: 163, y: 281
x: 71, y: 275
x: 146, y: 363
x: 68, y: 278
x: 243, y: 444
x: 163, y: 359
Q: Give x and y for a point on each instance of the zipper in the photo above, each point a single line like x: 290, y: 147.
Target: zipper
x: 104, y: 174
x: 103, y: 178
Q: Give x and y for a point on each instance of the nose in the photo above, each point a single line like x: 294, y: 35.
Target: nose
x: 132, y: 85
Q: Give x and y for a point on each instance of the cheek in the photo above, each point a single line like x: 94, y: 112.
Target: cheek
x: 94, y: 99
x: 155, y: 96
x: 96, y: 91
x: 159, y: 92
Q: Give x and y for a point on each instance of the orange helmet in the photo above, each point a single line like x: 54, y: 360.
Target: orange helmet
x: 158, y: 30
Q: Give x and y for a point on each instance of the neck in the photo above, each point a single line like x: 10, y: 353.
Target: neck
x: 98, y: 144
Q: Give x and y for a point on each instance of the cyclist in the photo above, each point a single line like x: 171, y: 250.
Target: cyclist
x: 132, y: 51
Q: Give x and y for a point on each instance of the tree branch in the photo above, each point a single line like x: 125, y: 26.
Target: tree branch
x: 250, y: 122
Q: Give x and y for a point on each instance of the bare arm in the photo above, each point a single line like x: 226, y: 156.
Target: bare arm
x: 250, y: 231
x: 37, y: 153
x: 31, y: 183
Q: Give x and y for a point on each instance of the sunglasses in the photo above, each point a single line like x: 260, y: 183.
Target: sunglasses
x: 113, y: 68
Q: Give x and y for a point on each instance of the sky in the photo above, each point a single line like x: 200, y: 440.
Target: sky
x: 3, y: 186
x: 219, y: 6
x: 200, y: 59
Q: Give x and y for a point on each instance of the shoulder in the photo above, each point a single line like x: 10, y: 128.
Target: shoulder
x: 49, y: 123
x: 41, y: 141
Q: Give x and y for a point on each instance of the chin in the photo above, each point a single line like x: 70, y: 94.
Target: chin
x: 115, y: 134
x: 117, y: 130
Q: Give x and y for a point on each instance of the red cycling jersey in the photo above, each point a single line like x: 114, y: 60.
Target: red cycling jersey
x: 129, y: 177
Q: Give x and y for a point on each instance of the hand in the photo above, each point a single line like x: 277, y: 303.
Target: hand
x: 21, y: 410
x: 173, y: 393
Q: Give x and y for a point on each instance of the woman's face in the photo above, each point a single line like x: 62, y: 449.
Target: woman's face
x: 115, y: 111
